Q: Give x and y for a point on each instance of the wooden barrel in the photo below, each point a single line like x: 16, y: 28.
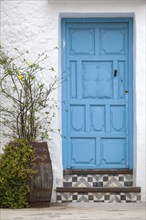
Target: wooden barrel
x: 42, y: 182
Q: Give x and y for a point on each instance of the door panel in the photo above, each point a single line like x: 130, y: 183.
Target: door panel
x: 98, y: 120
x: 97, y: 80
x: 115, y: 146
x: 83, y: 151
x: 82, y: 41
x: 112, y: 40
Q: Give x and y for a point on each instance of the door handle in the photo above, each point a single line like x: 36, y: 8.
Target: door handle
x: 115, y: 72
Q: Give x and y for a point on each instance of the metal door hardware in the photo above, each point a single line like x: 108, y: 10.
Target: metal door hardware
x: 115, y: 72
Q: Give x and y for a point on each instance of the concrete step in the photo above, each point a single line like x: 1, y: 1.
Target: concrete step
x: 98, y: 194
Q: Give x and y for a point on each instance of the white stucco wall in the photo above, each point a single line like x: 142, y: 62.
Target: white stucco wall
x: 35, y: 26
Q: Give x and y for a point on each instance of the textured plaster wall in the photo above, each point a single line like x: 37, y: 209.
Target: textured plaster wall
x: 34, y: 25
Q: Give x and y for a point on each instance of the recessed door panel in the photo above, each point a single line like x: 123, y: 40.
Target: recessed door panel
x: 112, y: 40
x: 82, y: 151
x: 115, y: 145
x: 118, y: 118
x: 97, y: 80
x: 97, y: 118
x: 77, y: 114
x: 82, y: 41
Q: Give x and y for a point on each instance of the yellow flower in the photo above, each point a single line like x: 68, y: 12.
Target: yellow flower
x: 28, y: 64
x: 19, y: 71
x: 20, y: 77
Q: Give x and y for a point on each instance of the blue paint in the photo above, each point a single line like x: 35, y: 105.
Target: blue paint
x: 98, y: 123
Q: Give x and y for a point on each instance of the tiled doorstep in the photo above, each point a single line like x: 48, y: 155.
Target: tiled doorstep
x: 103, y: 194
x: 98, y: 180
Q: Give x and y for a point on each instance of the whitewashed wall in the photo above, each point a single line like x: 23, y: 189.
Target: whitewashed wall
x: 34, y: 25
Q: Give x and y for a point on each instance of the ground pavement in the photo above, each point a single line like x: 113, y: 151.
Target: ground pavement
x: 78, y: 211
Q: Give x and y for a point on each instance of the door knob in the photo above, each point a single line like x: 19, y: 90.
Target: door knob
x: 115, y: 72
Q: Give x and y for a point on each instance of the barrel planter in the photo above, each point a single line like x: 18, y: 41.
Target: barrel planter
x: 41, y: 183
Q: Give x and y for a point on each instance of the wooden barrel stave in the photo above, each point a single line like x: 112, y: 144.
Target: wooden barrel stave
x: 41, y: 183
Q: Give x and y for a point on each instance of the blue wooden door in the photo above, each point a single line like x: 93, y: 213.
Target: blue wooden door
x: 97, y: 95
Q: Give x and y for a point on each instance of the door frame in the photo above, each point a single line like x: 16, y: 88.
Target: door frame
x: 129, y: 21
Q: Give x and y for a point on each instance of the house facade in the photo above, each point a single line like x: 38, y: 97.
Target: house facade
x: 100, y: 46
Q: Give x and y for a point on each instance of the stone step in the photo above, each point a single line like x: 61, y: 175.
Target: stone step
x: 98, y: 194
x: 98, y: 178
x: 98, y: 171
x: 99, y: 189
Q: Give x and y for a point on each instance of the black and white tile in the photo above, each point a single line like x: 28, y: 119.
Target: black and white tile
x: 98, y: 181
x: 98, y: 197
x: 107, y: 180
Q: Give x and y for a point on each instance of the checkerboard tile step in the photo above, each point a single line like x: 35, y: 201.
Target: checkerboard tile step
x: 102, y: 194
x: 108, y: 186
x: 95, y: 178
